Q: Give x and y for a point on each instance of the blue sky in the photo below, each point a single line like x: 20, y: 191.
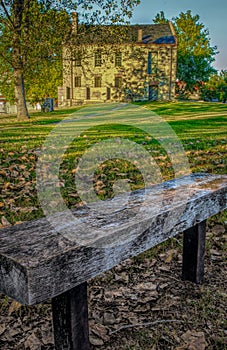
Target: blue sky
x: 213, y: 14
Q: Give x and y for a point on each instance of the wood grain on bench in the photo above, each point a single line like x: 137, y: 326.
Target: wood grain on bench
x: 38, y: 262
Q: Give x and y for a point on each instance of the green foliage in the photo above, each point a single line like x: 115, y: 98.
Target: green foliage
x: 216, y: 87
x: 6, y: 71
x: 195, y: 53
x: 6, y: 81
x: 41, y: 49
x: 45, y: 82
x: 31, y: 36
x: 160, y: 18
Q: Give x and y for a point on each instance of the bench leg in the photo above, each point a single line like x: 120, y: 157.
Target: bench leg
x: 70, y: 319
x: 194, y: 252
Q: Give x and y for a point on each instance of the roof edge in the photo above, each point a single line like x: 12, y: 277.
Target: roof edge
x: 173, y: 31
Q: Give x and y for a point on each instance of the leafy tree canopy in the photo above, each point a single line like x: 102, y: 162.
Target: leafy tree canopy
x: 160, y: 18
x: 40, y: 49
x: 215, y: 87
x: 32, y: 31
x: 195, y: 53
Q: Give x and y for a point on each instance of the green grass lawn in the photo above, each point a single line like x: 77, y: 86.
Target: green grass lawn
x: 201, y: 128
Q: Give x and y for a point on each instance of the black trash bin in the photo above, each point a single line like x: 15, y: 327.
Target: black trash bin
x: 48, y: 105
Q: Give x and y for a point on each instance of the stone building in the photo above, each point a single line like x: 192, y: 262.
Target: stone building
x: 2, y: 103
x: 118, y: 63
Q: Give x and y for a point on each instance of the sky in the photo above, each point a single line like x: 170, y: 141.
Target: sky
x: 213, y: 14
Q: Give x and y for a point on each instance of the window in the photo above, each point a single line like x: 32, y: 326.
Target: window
x: 118, y: 82
x: 98, y: 81
x: 149, y: 63
x: 78, y: 59
x: 68, y: 93
x: 78, y: 81
x: 98, y: 59
x: 118, y: 59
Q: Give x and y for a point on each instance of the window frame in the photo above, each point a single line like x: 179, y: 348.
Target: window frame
x: 118, y: 59
x: 98, y: 81
x: 78, y: 59
x: 77, y: 81
x: 118, y: 82
x: 149, y: 62
x: 98, y: 58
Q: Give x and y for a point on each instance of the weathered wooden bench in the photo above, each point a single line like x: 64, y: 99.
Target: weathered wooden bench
x: 37, y: 262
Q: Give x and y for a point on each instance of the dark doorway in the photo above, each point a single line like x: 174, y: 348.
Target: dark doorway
x: 68, y: 93
x: 108, y: 93
x: 88, y: 93
x: 153, y: 93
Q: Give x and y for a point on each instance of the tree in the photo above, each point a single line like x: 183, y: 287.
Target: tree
x: 223, y: 86
x: 160, y: 18
x: 33, y: 39
x: 39, y: 57
x: 216, y: 87
x: 44, y: 83
x: 27, y: 42
x: 195, y: 53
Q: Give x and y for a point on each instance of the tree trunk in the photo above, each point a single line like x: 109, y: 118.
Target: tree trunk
x: 18, y: 10
x: 22, y: 111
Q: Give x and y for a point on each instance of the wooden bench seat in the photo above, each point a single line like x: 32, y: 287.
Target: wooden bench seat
x: 39, y: 262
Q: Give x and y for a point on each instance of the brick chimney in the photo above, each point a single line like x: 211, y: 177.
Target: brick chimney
x: 74, y: 23
x: 140, y: 35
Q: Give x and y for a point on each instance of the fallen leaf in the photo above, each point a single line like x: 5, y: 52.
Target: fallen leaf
x: 6, y: 185
x: 33, y: 343
x: 14, y: 306
x: 96, y: 341
x: 170, y: 255
x: 194, y: 341
x: 101, y: 331
x: 5, y: 222
x: 215, y: 252
x: 2, y: 328
x: 218, y: 229
x: 109, y: 318
x: 123, y: 277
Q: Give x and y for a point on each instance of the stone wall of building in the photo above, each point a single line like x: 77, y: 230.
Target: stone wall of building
x: 124, y: 72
